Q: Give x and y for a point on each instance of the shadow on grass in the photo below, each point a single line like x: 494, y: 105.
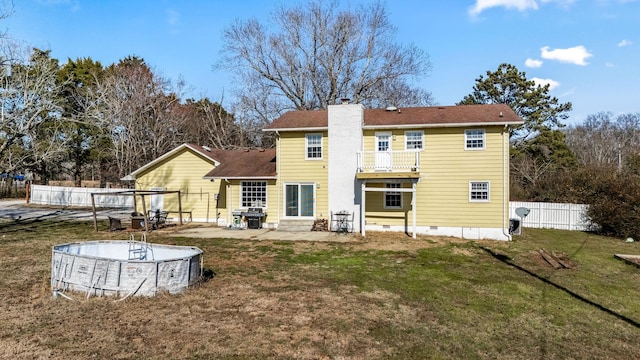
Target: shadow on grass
x: 207, y: 274
x: 506, y: 260
x: 33, y: 223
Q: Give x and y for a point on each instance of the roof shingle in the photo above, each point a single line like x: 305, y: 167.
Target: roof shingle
x: 432, y: 116
x: 238, y: 164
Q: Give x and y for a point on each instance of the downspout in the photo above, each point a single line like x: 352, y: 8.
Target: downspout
x: 229, y: 201
x: 505, y: 201
x: 278, y: 180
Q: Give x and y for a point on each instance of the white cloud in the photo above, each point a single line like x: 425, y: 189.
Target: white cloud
x: 624, y: 43
x: 533, y: 63
x: 575, y: 55
x: 520, y: 5
x: 609, y: 64
x: 542, y: 82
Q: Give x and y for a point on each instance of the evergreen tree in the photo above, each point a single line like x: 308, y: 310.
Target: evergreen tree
x: 531, y: 102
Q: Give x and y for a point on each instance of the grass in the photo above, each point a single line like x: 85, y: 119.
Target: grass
x: 386, y: 296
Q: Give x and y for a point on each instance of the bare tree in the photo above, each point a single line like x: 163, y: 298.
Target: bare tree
x: 315, y: 54
x: 604, y: 140
x: 208, y: 123
x: 29, y: 109
x: 137, y: 111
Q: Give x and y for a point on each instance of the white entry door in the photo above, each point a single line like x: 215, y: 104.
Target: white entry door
x: 383, y: 151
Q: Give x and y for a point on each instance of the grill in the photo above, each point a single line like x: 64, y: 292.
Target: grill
x: 254, y: 217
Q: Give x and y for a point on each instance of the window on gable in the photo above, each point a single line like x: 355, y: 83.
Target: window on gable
x: 479, y: 191
x: 313, y: 146
x: 393, y: 199
x: 414, y: 140
x: 474, y: 139
x: 253, y: 194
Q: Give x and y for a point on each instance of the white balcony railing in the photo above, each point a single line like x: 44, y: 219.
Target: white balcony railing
x: 388, y: 161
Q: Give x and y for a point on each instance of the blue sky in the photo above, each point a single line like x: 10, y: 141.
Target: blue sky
x: 589, y: 50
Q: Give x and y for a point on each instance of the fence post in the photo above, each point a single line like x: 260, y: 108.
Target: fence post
x: 570, y: 218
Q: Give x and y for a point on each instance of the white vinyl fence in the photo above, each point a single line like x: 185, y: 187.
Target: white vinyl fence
x: 541, y: 215
x: 77, y: 196
x: 552, y: 215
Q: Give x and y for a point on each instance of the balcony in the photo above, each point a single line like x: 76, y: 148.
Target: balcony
x: 388, y: 163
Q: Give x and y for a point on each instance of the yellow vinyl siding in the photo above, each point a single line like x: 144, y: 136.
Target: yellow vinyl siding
x: 232, y: 199
x: 182, y: 171
x: 294, y: 168
x: 447, y: 168
x: 443, y: 191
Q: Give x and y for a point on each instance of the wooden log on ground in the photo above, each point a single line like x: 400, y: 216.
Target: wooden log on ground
x: 550, y: 259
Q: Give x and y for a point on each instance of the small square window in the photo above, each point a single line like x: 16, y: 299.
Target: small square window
x: 393, y: 199
x: 313, y: 146
x: 414, y: 140
x: 474, y: 139
x: 479, y: 191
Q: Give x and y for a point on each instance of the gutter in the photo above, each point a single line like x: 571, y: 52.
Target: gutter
x: 441, y: 125
x: 505, y: 201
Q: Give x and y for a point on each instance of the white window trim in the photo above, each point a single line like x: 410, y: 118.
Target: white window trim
x: 384, y: 133
x: 384, y: 197
x: 284, y: 200
x: 406, y: 140
x: 306, y: 146
x: 488, y: 199
x: 484, y: 140
x: 266, y: 193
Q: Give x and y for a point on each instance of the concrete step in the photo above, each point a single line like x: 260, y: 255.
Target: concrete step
x: 295, y: 225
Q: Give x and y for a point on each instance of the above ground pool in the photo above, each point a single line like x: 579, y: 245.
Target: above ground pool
x: 124, y: 268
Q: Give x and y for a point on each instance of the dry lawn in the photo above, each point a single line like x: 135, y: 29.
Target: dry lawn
x: 261, y: 304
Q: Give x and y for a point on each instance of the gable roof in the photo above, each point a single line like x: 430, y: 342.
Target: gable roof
x: 415, y: 117
x: 245, y: 164
x: 211, y: 155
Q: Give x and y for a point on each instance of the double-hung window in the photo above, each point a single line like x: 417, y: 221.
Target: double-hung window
x: 479, y: 191
x: 313, y: 146
x: 414, y: 140
x: 393, y: 199
x: 253, y: 194
x: 474, y: 139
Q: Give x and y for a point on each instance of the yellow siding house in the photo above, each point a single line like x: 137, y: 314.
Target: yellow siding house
x: 428, y: 170
x: 441, y: 170
x: 212, y: 182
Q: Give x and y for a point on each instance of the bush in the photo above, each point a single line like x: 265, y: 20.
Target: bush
x: 613, y: 198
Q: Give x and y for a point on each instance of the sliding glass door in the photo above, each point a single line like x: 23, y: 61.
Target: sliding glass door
x: 299, y: 200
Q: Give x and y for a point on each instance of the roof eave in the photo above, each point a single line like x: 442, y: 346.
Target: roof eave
x: 267, y: 177
x: 166, y: 155
x: 321, y: 128
x: 441, y: 125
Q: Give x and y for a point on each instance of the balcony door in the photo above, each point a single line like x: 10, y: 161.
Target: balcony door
x: 383, y: 151
x: 299, y: 200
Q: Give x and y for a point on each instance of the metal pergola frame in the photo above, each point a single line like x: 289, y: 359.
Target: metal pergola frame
x: 134, y: 194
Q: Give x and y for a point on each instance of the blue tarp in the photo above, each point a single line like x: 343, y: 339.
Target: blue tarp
x: 16, y: 177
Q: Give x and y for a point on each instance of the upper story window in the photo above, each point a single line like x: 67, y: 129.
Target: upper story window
x: 474, y: 139
x: 253, y: 194
x: 414, y: 140
x: 479, y: 191
x: 313, y: 146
